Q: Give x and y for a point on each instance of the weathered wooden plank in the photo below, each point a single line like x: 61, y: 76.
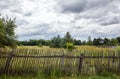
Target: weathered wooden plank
x: 8, y: 61
x: 80, y: 63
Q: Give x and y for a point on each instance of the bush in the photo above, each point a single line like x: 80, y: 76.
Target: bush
x: 70, y: 46
x: 40, y: 45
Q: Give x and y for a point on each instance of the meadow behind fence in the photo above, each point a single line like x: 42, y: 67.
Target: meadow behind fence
x: 58, y: 62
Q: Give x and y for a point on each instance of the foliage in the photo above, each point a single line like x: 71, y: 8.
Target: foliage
x: 77, y: 42
x: 114, y: 42
x: 118, y: 38
x: 69, y: 46
x: 40, y: 45
x: 41, y: 75
x: 50, y: 68
x: 89, y: 41
x: 7, y: 34
x: 58, y: 42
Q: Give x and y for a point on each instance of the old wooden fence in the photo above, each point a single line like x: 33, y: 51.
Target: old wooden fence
x: 12, y: 63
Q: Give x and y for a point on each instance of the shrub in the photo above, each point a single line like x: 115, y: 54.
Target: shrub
x: 40, y: 45
x: 70, y: 46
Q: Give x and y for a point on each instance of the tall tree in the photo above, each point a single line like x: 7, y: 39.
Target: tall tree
x: 2, y: 33
x: 89, y: 41
x: 118, y: 38
x: 7, y: 33
x: 56, y: 42
x: 77, y: 42
x: 106, y: 41
x: 114, y: 42
x: 68, y: 38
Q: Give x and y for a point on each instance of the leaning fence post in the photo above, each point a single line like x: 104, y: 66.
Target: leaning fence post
x: 8, y: 62
x: 80, y: 63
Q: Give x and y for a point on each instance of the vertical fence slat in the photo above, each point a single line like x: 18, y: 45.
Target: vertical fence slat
x: 80, y: 63
x: 108, y: 63
x: 119, y: 61
x: 8, y: 62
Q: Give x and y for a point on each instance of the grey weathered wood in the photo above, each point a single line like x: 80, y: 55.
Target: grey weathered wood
x: 80, y: 63
x: 62, y: 62
x: 113, y: 57
x: 108, y: 63
x: 8, y: 61
x: 119, y: 61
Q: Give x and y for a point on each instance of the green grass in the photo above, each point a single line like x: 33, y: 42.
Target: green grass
x: 43, y: 76
x: 29, y: 68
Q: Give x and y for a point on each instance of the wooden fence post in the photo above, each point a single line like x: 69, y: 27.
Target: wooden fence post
x: 8, y: 62
x: 108, y: 62
x: 63, y: 60
x: 80, y: 63
x: 119, y: 61
x: 113, y: 57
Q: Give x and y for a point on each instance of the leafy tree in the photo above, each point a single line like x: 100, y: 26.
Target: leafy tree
x: 106, y: 41
x: 77, y: 42
x: 68, y: 38
x: 118, y: 38
x: 2, y: 33
x: 89, y: 41
x: 7, y: 33
x: 98, y: 41
x: 84, y: 43
x: 114, y: 42
x: 56, y: 42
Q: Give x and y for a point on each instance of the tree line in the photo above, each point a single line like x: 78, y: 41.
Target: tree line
x: 8, y: 38
x: 59, y: 42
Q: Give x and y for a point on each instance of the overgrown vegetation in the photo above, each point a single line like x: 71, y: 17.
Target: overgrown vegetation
x: 7, y: 34
x: 61, y: 68
x: 44, y: 76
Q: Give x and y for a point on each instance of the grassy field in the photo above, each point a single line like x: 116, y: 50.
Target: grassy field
x: 43, y: 76
x: 51, y: 68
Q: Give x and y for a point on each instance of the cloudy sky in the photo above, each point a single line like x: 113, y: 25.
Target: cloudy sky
x: 44, y: 19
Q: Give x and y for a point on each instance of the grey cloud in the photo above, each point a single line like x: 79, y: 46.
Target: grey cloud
x: 77, y: 27
x: 28, y: 14
x: 21, y: 22
x: 40, y: 29
x: 16, y: 10
x: 109, y: 21
x: 78, y: 16
x: 6, y: 4
x: 76, y: 6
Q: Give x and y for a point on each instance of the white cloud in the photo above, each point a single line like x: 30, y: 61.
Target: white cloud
x: 47, y: 18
